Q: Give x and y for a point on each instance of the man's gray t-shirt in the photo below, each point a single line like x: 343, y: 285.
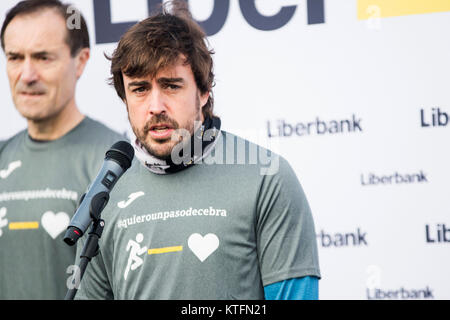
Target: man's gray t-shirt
x: 40, y: 185
x: 211, y: 231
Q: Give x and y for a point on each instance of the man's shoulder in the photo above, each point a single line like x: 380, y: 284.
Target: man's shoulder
x: 94, y: 133
x: 240, y: 151
x: 13, y: 141
x: 236, y: 141
x: 101, y: 129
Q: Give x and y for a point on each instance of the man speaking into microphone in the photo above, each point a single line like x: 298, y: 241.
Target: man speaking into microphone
x: 183, y: 222
x: 45, y: 168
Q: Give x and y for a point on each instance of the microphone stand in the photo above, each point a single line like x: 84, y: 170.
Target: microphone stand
x: 90, y: 248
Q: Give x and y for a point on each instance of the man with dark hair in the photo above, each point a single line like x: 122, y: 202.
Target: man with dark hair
x: 182, y: 223
x: 46, y: 168
x: 77, y: 34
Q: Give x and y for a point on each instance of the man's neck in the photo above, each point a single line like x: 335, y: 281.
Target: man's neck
x: 57, y: 126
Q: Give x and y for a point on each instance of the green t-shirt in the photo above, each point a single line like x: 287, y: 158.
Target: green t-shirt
x: 211, y: 231
x: 40, y: 185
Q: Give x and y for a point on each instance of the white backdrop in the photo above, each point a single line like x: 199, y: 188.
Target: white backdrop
x: 378, y: 237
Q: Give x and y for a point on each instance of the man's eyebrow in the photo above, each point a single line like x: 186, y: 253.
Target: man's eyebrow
x: 34, y: 54
x: 170, y: 80
x: 162, y: 80
x: 41, y: 53
x: 12, y: 53
x: 138, y: 83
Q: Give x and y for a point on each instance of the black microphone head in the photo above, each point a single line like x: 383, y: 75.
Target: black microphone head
x: 122, y: 152
x: 72, y: 235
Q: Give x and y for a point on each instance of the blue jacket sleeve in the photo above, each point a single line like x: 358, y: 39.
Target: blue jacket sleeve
x: 304, y: 288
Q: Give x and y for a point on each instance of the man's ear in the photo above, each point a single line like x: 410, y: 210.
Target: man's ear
x: 204, y: 99
x: 81, y: 60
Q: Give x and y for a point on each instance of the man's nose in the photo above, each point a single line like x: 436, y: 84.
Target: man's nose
x: 157, y: 102
x: 29, y: 73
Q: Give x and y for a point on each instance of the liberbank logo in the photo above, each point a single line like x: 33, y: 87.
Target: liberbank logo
x: 396, y: 178
x: 375, y: 292
x: 342, y: 239
x: 433, y: 118
x: 319, y: 127
x: 108, y: 32
x: 399, y: 294
x: 437, y: 234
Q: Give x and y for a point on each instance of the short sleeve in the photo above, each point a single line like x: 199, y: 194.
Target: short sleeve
x: 286, y: 238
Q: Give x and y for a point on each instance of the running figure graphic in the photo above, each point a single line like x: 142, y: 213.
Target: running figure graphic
x: 134, y: 261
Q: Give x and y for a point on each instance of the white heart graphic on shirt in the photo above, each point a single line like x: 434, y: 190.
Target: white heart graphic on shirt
x: 54, y: 224
x: 203, y: 247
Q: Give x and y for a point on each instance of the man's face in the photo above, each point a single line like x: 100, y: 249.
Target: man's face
x: 158, y: 107
x: 41, y: 72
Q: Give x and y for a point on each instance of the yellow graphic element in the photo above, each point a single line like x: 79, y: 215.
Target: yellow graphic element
x: 395, y: 8
x: 23, y: 225
x: 165, y: 250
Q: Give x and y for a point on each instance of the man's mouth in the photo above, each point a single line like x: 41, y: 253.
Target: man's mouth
x: 160, y: 127
x: 32, y: 93
x: 161, y: 131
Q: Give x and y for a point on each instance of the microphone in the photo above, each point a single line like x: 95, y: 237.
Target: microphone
x: 117, y: 160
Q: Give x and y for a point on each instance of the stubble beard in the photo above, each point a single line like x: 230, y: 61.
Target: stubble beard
x: 162, y: 149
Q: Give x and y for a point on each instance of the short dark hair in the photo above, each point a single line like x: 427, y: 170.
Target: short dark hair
x: 77, y: 38
x: 157, y: 42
